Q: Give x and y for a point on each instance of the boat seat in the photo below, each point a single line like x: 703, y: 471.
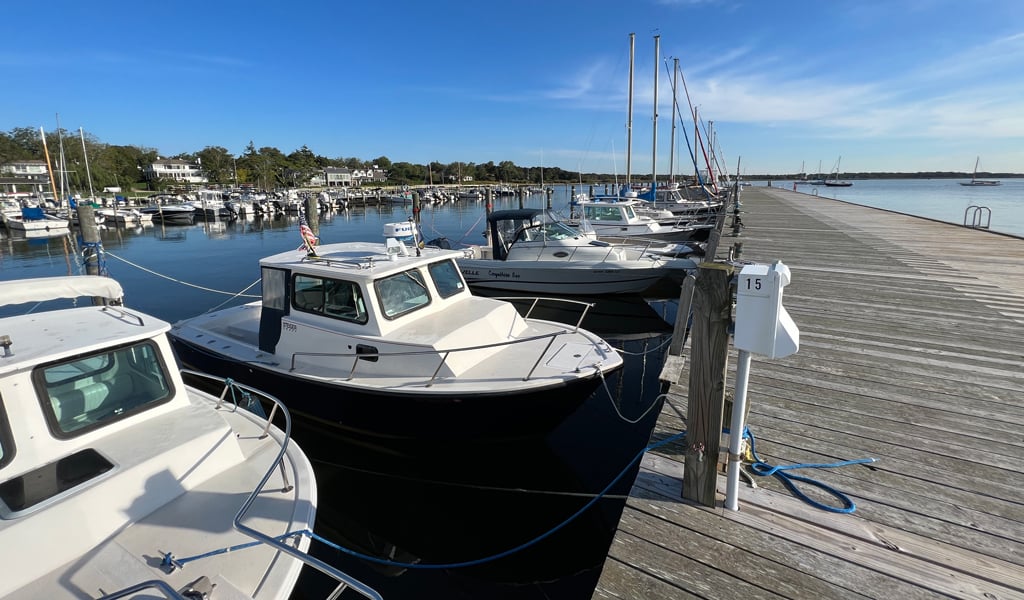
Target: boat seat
x: 90, y: 401
x: 311, y: 300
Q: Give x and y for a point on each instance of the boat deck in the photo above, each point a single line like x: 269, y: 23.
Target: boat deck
x: 912, y: 352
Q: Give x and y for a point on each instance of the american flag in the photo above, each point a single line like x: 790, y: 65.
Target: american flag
x: 309, y: 239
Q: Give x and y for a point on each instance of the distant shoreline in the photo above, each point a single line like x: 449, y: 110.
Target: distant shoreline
x: 853, y: 176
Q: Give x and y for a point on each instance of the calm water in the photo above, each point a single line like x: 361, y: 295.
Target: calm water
x: 447, y: 503
x: 428, y: 504
x: 941, y: 199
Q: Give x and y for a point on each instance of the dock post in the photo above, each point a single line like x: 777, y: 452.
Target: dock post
x: 712, y: 301
x: 313, y: 214
x: 682, y: 323
x: 92, y: 246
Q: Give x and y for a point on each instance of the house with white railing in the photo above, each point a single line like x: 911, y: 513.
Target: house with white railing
x: 20, y: 176
x: 175, y: 169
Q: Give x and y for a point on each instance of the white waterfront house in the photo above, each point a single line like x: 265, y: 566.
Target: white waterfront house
x: 175, y: 169
x: 24, y: 176
x: 337, y: 177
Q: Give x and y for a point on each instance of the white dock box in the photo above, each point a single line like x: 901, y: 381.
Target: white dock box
x: 762, y: 324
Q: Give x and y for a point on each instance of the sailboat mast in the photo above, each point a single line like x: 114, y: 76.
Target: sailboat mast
x: 654, y: 137
x: 61, y: 164
x: 629, y: 113
x: 49, y: 166
x: 85, y: 156
x: 672, y: 139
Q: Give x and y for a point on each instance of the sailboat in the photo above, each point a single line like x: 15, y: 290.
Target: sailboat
x: 802, y: 179
x: 834, y: 181
x: 979, y: 182
x: 821, y: 178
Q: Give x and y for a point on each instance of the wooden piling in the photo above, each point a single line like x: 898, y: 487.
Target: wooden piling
x: 712, y: 303
x: 313, y: 214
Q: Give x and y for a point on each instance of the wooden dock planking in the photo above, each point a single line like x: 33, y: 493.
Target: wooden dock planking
x: 912, y: 352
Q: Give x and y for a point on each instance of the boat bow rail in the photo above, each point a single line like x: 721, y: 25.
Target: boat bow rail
x: 279, y: 542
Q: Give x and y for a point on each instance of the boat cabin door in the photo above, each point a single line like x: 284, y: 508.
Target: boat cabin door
x: 275, y: 307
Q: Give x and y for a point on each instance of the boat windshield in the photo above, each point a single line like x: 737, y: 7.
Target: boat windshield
x: 447, y: 278
x: 88, y: 392
x: 402, y: 293
x: 545, y: 230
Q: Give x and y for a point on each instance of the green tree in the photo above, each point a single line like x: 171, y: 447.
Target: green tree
x: 217, y: 164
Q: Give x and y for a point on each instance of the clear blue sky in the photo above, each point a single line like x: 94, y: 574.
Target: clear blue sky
x: 889, y: 85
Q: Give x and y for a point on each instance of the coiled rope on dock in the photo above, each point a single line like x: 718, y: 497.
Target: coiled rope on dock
x: 763, y: 469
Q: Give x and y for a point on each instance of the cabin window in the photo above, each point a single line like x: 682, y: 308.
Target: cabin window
x: 603, y: 213
x: 332, y: 297
x: 402, y: 293
x: 447, y: 278
x: 90, y: 391
x: 274, y: 282
x: 29, y: 491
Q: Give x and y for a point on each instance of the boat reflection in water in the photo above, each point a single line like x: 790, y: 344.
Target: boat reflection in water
x: 427, y: 504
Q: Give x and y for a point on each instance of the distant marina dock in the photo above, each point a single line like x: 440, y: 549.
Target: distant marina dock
x: 912, y: 353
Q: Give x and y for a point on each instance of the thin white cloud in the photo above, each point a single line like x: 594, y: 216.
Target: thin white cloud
x: 1000, y: 57
x: 975, y: 92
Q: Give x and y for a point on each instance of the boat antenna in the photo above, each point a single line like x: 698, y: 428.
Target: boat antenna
x: 415, y: 236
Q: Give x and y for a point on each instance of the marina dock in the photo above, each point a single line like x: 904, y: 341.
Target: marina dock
x: 912, y: 353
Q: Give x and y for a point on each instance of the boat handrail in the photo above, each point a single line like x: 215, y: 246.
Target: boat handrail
x: 361, y: 263
x: 537, y: 299
x: 444, y: 352
x: 161, y: 586
x: 279, y: 544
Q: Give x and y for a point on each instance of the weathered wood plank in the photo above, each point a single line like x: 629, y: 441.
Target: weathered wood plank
x: 909, y: 353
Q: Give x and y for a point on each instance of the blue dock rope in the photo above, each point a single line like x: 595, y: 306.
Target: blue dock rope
x: 759, y: 467
x: 170, y: 562
x: 93, y: 251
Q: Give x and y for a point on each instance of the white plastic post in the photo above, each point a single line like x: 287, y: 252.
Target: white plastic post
x: 739, y: 407
x: 763, y: 327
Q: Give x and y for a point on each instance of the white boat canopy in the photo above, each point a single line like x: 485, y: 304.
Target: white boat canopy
x: 52, y: 288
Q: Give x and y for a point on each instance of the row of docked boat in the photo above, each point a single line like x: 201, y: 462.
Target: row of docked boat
x: 386, y: 340
x: 378, y: 339
x: 116, y: 471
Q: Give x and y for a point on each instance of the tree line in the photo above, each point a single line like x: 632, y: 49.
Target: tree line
x: 266, y: 167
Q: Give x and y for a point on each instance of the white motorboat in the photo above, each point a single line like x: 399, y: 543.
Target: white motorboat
x: 125, y: 216
x: 114, y: 473
x: 171, y: 214
x: 33, y: 219
x: 532, y: 251
x: 620, y: 218
x: 210, y: 206
x: 387, y: 340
